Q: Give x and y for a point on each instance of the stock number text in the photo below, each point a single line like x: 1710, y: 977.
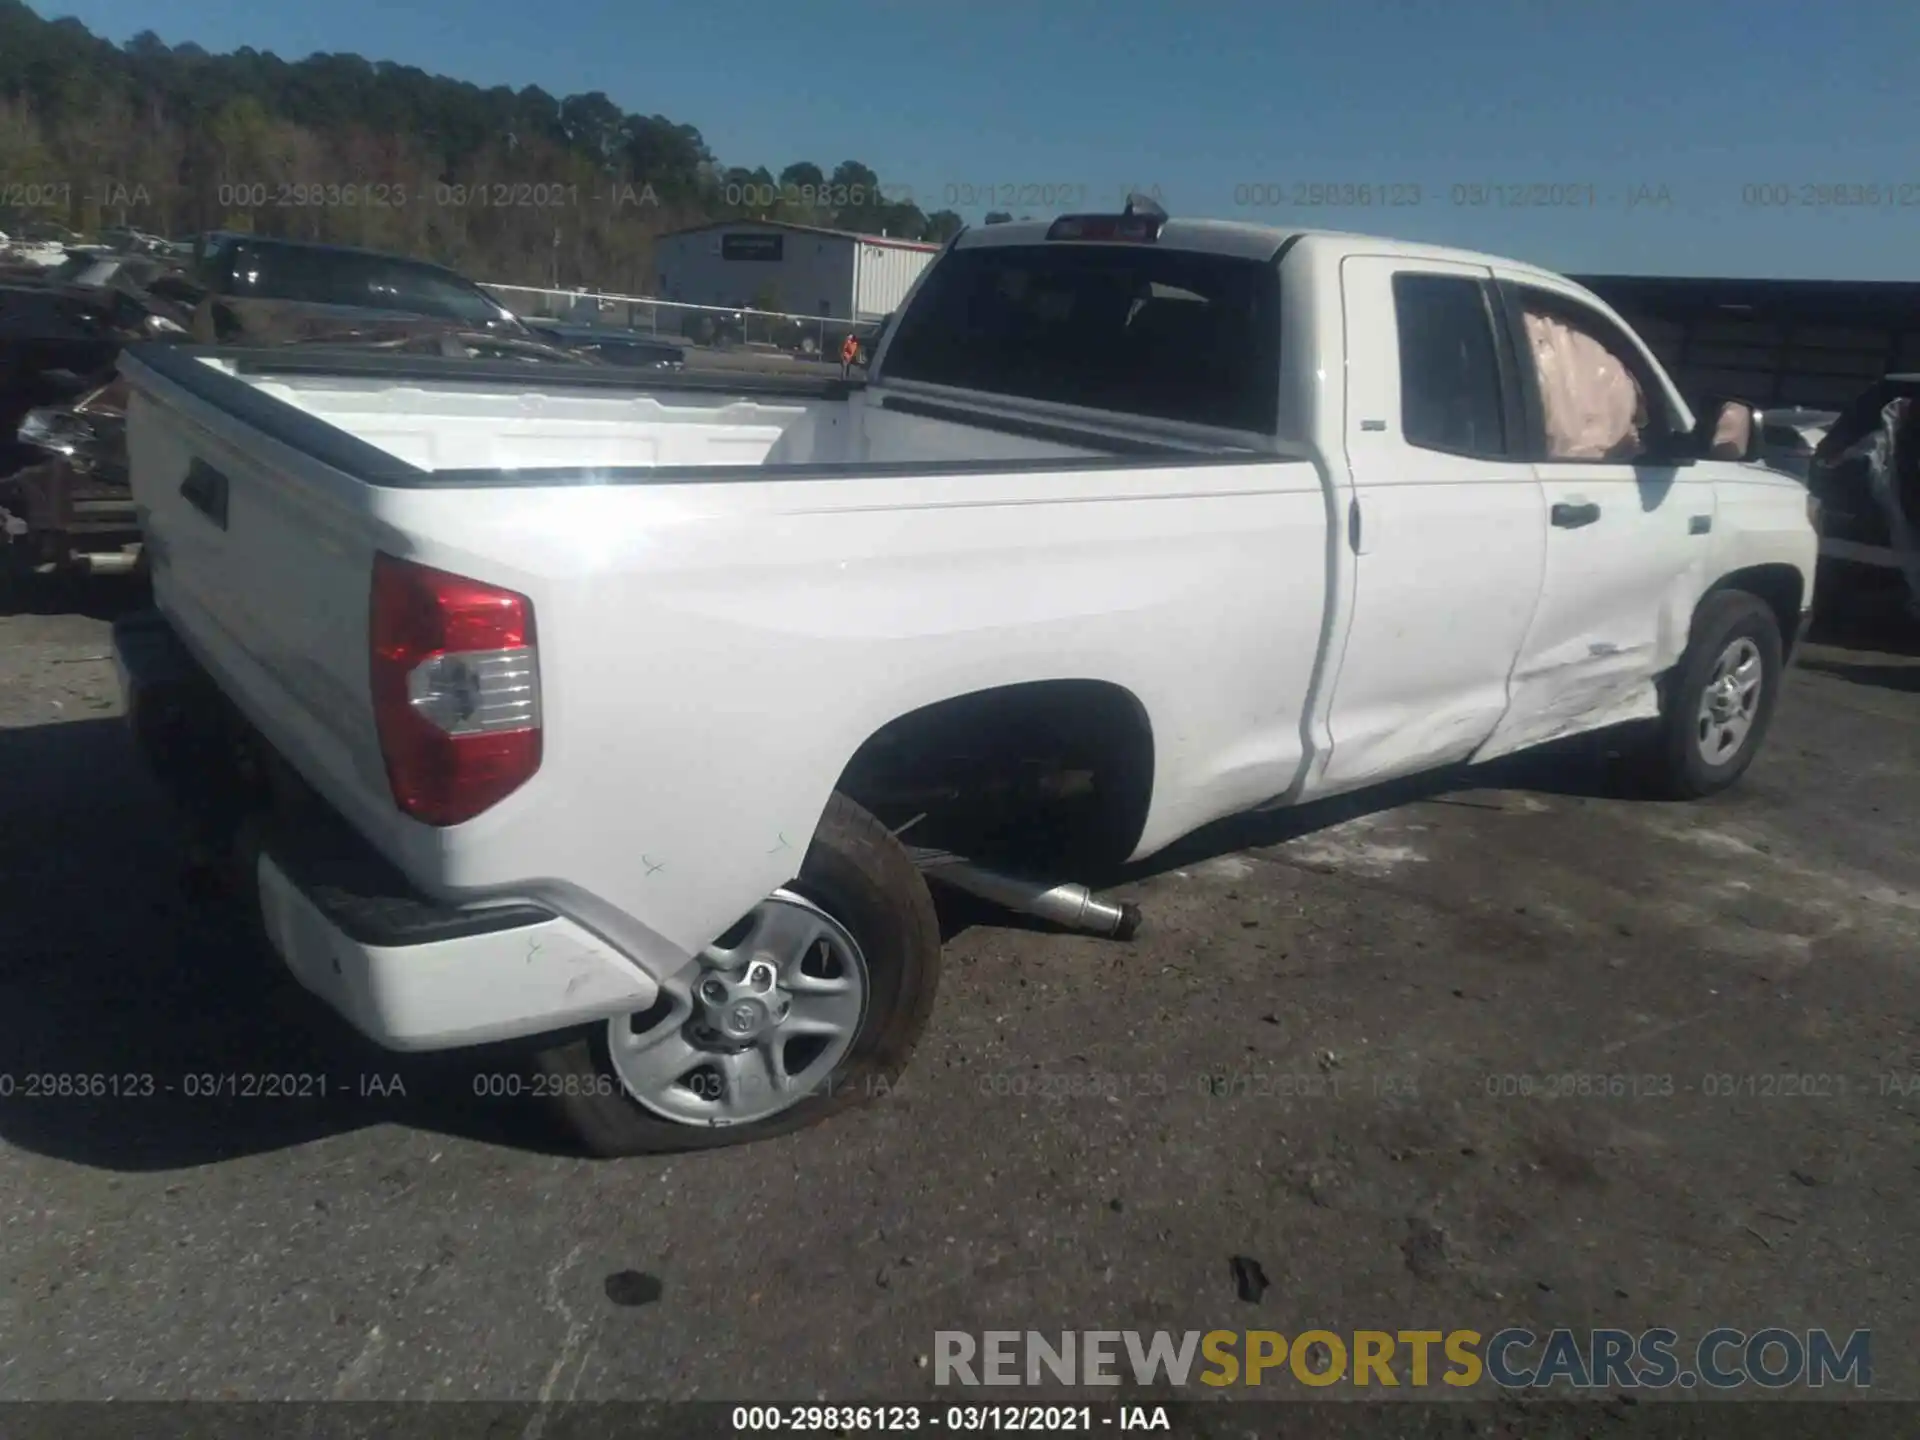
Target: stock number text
x: 1312, y: 196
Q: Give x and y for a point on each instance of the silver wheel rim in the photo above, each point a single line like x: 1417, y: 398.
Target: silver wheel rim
x: 1729, y: 702
x: 752, y: 1025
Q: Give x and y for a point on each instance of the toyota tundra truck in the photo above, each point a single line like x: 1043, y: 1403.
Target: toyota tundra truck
x: 618, y: 716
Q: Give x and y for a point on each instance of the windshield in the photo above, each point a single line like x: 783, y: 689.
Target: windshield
x: 1134, y: 329
x: 318, y: 276
x: 71, y: 267
x: 85, y: 270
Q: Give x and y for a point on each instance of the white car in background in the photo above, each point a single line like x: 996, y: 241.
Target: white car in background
x: 1788, y: 437
x: 42, y: 253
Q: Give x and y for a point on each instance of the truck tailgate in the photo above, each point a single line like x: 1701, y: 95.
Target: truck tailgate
x: 260, y: 556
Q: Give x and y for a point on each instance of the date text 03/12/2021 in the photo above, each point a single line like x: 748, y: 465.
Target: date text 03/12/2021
x: 200, y: 1085
x: 1407, y: 194
x: 957, y: 1419
x: 439, y: 194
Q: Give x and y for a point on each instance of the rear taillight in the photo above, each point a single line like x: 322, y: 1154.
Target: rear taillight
x: 456, y: 690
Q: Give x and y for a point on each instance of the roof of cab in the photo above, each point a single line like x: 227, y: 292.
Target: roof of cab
x: 216, y: 238
x: 1254, y: 242
x: 1212, y: 237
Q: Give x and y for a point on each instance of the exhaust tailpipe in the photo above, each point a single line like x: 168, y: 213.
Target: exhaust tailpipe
x: 1073, y: 907
x: 113, y: 562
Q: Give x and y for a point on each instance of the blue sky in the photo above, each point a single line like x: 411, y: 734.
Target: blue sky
x: 1228, y: 105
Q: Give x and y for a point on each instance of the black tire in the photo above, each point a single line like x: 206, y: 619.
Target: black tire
x: 1672, y: 765
x: 859, y: 874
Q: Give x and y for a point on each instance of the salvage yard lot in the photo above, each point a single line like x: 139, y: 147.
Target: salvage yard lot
x: 1313, y: 1056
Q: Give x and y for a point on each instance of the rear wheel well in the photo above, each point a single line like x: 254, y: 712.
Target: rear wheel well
x: 1781, y: 587
x: 1050, y: 773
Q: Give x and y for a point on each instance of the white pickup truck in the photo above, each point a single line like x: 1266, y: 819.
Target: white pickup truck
x: 588, y: 711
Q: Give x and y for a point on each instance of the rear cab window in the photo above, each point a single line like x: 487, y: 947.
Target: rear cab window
x: 1451, y: 396
x: 1133, y: 329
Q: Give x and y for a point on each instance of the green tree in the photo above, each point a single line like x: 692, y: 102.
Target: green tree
x: 164, y: 137
x: 803, y: 175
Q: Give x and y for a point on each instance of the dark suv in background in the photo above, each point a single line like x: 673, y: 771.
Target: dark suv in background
x: 275, y: 290
x: 257, y: 284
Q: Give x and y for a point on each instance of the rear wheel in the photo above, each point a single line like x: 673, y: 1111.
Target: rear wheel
x: 1720, y: 698
x: 810, y: 1004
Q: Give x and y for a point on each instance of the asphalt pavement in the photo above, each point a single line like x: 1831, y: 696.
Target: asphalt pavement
x: 1525, y: 1053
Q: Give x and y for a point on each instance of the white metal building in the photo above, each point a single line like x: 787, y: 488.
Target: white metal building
x: 800, y: 269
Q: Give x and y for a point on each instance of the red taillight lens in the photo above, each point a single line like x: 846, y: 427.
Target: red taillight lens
x: 456, y: 690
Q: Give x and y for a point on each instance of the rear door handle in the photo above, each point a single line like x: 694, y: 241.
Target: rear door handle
x: 1572, y: 517
x: 205, y: 488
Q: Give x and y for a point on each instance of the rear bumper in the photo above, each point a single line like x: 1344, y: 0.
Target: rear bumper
x: 502, y: 982
x: 405, y: 970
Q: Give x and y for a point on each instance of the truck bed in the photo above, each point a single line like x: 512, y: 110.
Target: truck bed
x: 465, y: 422
x: 714, y: 650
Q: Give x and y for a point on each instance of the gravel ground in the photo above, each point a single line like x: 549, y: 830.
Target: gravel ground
x: 1374, y: 980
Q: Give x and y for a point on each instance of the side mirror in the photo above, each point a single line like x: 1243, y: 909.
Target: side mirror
x: 1736, y: 432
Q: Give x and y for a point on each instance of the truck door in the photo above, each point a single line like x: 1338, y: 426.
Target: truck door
x: 1629, y: 522
x: 1445, y: 522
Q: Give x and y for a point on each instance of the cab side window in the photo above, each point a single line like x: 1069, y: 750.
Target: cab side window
x: 1450, y: 394
x: 1594, y: 392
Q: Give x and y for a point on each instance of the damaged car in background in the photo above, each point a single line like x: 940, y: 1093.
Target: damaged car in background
x: 262, y: 290
x: 1864, y: 474
x: 609, y: 346
x: 72, y: 508
x: 64, y: 500
x: 68, y: 508
x: 61, y: 333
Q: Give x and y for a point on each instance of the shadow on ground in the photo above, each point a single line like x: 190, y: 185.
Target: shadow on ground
x: 1591, y: 767
x: 1874, y: 619
x: 1886, y: 677
x: 98, y: 597
x: 1588, y: 767
x: 118, y: 978
x: 115, y: 978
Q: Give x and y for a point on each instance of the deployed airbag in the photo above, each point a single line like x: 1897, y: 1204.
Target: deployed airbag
x: 1593, y: 406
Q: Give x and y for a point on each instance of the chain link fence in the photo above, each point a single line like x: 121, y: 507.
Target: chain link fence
x: 710, y: 326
